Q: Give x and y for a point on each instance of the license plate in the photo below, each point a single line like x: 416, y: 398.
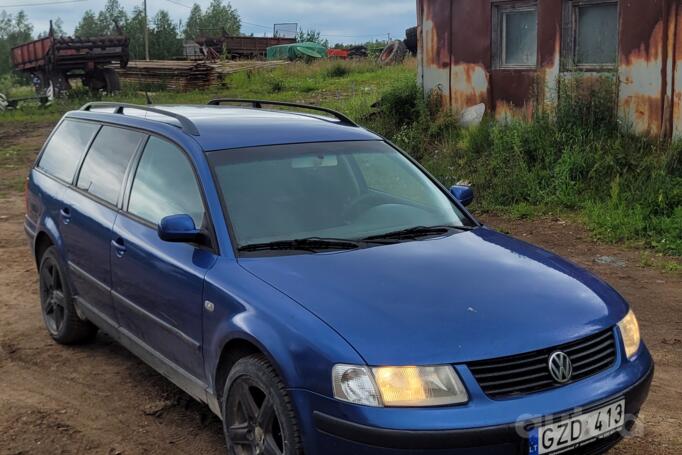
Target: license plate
x: 577, y: 431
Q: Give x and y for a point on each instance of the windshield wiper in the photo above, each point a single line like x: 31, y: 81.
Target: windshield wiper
x: 312, y: 244
x: 416, y: 232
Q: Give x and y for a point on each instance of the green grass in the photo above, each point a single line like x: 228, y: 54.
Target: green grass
x: 352, y: 86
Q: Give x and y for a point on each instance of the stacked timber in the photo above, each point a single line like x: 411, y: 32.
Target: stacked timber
x: 170, y: 75
x: 184, y: 76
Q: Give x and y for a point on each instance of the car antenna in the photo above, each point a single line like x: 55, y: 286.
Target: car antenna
x: 149, y: 98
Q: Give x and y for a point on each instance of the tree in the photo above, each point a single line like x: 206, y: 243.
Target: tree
x: 14, y: 30
x: 57, y: 29
x: 193, y: 25
x: 311, y: 36
x: 112, y: 16
x: 89, y: 26
x: 134, y: 29
x: 165, y: 42
x: 220, y: 18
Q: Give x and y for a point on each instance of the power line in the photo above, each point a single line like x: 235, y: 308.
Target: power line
x: 175, y: 2
x: 28, y: 5
x: 256, y: 25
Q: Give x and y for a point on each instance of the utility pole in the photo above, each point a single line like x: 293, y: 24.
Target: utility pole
x: 146, y: 33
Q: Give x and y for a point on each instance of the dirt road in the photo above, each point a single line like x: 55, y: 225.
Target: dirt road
x: 100, y: 399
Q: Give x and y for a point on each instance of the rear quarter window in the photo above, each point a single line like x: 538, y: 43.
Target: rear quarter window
x: 105, y: 164
x: 66, y: 147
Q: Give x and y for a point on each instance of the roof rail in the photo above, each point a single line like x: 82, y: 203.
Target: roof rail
x: 258, y: 104
x: 185, y: 124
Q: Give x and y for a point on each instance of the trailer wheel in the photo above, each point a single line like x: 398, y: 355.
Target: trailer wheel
x: 104, y: 79
x: 113, y: 83
x: 393, y: 53
x: 60, y: 83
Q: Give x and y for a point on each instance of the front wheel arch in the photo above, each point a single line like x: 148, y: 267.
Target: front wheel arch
x: 233, y: 351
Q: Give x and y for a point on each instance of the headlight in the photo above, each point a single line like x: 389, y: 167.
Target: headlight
x: 629, y: 330
x: 399, y: 386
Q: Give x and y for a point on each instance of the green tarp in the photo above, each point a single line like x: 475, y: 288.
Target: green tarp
x: 296, y: 51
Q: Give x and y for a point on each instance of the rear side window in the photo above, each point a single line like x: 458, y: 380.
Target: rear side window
x: 106, y: 162
x: 66, y: 147
x: 165, y: 185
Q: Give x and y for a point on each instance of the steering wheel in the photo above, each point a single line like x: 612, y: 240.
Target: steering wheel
x: 349, y: 211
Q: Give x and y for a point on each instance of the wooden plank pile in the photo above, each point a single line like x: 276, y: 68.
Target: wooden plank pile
x: 182, y: 76
x: 170, y: 75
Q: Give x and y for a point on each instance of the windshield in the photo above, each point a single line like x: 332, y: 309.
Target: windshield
x: 331, y: 190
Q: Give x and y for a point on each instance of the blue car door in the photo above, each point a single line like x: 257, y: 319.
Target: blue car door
x: 158, y: 286
x: 89, y: 211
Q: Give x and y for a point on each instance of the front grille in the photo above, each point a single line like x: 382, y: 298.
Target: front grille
x: 527, y: 373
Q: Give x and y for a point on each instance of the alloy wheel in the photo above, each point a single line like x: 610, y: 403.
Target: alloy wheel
x: 52, y: 297
x: 252, y: 425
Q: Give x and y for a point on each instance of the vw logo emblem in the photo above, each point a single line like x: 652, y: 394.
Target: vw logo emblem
x: 560, y: 367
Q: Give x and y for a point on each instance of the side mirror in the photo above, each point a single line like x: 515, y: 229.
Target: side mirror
x: 179, y: 229
x: 464, y: 194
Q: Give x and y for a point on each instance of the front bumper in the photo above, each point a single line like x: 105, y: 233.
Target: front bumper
x: 483, y: 426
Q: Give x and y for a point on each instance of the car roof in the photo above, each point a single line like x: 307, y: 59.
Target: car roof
x: 227, y: 127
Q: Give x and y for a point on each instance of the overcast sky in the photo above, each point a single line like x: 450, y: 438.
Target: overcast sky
x: 344, y: 21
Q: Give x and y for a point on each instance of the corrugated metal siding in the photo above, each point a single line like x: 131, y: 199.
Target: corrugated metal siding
x: 455, y: 56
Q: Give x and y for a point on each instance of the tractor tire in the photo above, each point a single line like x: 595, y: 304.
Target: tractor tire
x: 411, y: 40
x: 393, y: 53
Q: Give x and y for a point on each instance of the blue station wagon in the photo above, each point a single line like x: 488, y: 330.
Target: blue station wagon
x: 319, y: 290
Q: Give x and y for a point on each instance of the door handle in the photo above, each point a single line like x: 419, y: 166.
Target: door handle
x: 66, y: 215
x: 119, y: 247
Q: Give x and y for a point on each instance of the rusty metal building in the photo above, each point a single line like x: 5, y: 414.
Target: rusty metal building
x: 512, y: 54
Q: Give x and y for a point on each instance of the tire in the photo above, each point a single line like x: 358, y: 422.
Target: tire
x: 393, y: 53
x: 56, y: 302
x: 112, y: 81
x: 411, y: 40
x: 258, y: 417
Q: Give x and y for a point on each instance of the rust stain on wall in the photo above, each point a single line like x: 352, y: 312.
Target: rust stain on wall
x: 549, y: 53
x: 469, y: 71
x: 436, y: 39
x: 469, y: 85
x: 641, y: 67
x: 514, y: 90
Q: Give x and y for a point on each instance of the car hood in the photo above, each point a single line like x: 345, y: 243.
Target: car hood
x: 469, y: 296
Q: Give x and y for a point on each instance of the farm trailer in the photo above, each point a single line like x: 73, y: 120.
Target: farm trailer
x: 55, y: 60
